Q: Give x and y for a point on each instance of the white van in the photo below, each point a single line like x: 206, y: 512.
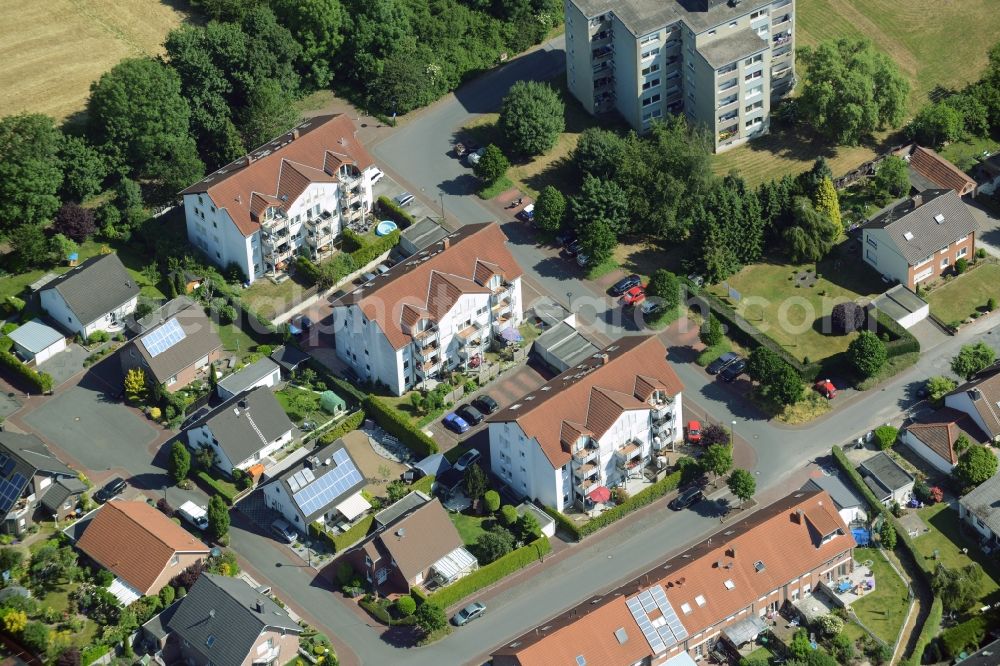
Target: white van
x: 194, y: 514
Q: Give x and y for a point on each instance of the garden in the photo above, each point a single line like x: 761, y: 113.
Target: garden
x: 962, y: 298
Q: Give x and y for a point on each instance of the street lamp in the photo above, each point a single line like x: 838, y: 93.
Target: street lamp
x: 441, y: 196
x: 569, y: 299
x: 732, y: 432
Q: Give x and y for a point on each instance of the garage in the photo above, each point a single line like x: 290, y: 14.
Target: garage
x: 562, y: 346
x: 37, y: 342
x: 903, y: 306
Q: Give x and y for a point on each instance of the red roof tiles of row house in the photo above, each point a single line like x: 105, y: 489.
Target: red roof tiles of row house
x: 940, y: 430
x: 589, y: 397
x: 429, y: 283
x: 702, y: 587
x: 940, y: 171
x: 279, y: 171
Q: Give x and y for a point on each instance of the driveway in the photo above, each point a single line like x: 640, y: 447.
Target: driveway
x: 989, y: 228
x: 66, y: 364
x: 929, y: 334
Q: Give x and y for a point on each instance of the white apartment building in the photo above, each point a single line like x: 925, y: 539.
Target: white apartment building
x: 290, y: 196
x: 720, y: 62
x: 590, y: 427
x: 440, y: 309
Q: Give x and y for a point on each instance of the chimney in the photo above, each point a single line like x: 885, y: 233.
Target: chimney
x: 975, y: 394
x: 731, y: 552
x: 244, y: 405
x: 211, y: 613
x: 604, y: 359
x: 918, y: 200
x: 249, y: 159
x: 401, y: 532
x: 295, y: 134
x: 446, y: 243
x: 258, y: 606
x: 797, y: 516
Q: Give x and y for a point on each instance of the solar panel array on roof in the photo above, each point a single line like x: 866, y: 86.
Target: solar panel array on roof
x: 665, y: 632
x: 10, y: 491
x: 312, y: 493
x: 163, y: 338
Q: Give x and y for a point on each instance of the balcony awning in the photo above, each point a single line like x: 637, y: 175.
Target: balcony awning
x: 353, y: 506
x: 745, y: 631
x: 600, y: 494
x: 455, y: 564
x: 124, y: 592
x: 511, y: 334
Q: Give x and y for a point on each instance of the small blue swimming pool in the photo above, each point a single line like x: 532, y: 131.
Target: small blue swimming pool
x: 385, y: 227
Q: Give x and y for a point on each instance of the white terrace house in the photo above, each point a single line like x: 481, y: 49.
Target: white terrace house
x: 440, y: 309
x: 593, y: 426
x: 291, y: 196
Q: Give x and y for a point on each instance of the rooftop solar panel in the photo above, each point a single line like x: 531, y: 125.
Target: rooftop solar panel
x: 10, y: 490
x: 163, y: 338
x: 313, y: 493
x: 667, y: 634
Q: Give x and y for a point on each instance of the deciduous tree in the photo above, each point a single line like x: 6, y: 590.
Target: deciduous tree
x: 887, y: 535
x: 867, y: 354
x: 763, y: 364
x: 84, y: 169
x: 892, y: 177
x: 742, y: 484
x: 62, y: 247
x: 492, y: 166
x: 492, y: 545
x: 600, y: 201
x: 711, y: 333
x: 785, y: 386
x: 550, y: 209
x: 268, y: 113
x: 977, y: 465
x: 665, y: 286
x: 532, y: 117
x: 29, y: 247
x: 598, y: 241
x: 75, y: 222
x: 218, y: 518
x: 718, y: 459
x: 846, y: 317
x: 935, y: 124
x: 492, y: 500
x: 885, y: 436
x: 319, y: 27
x: 30, y: 170
x: 959, y: 589
x: 430, y: 617
x: 972, y: 359
x: 811, y: 234
x: 135, y: 384
x: 938, y: 386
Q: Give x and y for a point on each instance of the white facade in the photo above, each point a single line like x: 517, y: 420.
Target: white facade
x: 880, y: 253
x: 307, y: 225
x: 925, y: 452
x: 461, y: 334
x: 56, y: 307
x: 276, y: 497
x: 631, y: 442
x: 202, y: 437
x: 963, y: 403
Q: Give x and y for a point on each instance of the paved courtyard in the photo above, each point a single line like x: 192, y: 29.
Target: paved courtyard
x: 65, y: 365
x: 93, y: 430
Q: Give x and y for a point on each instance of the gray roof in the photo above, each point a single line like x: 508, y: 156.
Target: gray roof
x: 243, y: 379
x: 984, y: 502
x: 433, y: 464
x: 885, y: 473
x: 62, y: 490
x: 424, y: 233
x: 843, y: 495
x: 35, y: 336
x: 200, y: 340
x: 732, y: 47
x: 246, y: 423
x: 914, y: 229
x: 898, y: 302
x: 565, y: 343
x: 161, y: 314
x: 289, y: 357
x: 919, y: 182
x: 644, y: 16
x: 413, y: 501
x: 228, y: 613
x: 158, y: 625
x: 319, y: 468
x: 95, y: 287
x: 987, y: 656
x: 33, y: 453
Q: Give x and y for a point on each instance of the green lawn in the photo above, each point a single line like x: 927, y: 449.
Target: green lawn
x: 963, y: 154
x: 789, y: 314
x: 235, y: 339
x: 955, y: 301
x: 884, y: 609
x: 469, y: 527
x: 947, y: 540
x: 269, y: 299
x: 301, y: 405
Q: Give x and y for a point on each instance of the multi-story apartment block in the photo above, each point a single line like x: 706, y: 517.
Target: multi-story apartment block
x: 720, y: 62
x: 438, y: 310
x: 591, y: 426
x: 722, y: 589
x: 290, y: 196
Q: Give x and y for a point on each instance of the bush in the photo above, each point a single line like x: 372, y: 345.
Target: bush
x: 398, y: 425
x: 847, y: 317
x: 349, y: 424
x: 365, y: 255
x: 964, y: 637
x: 508, y: 515
x: 961, y: 265
x: 93, y: 653
x: 388, y: 209
x: 867, y: 353
x: 13, y: 304
x: 991, y: 303
x: 405, y: 605
x: 885, y: 436
x: 223, y: 489
x: 492, y: 500
x: 40, y: 382
x: 490, y: 573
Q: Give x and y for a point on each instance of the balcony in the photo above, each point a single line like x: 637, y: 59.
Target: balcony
x: 585, y: 486
x: 502, y: 307
x: 585, y: 471
x: 662, y: 411
x: 727, y: 134
x: 781, y: 38
x: 628, y: 455
x: 602, y: 53
x: 428, y: 368
x: 603, y: 83
x: 267, y: 657
x: 501, y: 322
x: 726, y: 101
x: 585, y: 454
x: 427, y: 352
x: 604, y: 66
x: 731, y: 83
x: 728, y: 68
x: 324, y: 216
x: 781, y: 52
x: 427, y: 336
x: 275, y: 224
x: 728, y: 116
x: 781, y: 20
x: 601, y: 38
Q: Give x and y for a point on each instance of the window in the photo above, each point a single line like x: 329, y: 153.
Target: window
x: 758, y: 14
x: 755, y: 121
x: 655, y: 37
x: 755, y: 75
x: 754, y: 91
x: 175, y: 560
x: 944, y: 262
x: 872, y: 256
x: 652, y: 83
x: 649, y: 53
x: 964, y: 251
x: 753, y: 107
x: 649, y: 115
x: 655, y: 67
x: 733, y: 24
x: 172, y: 381
x: 757, y: 58
x: 651, y: 100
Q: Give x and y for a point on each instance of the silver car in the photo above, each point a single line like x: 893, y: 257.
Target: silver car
x: 469, y: 613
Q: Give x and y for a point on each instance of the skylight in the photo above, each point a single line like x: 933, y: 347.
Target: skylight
x: 686, y: 608
x: 730, y: 584
x: 908, y: 235
x: 621, y: 635
x: 700, y: 600
x: 759, y: 565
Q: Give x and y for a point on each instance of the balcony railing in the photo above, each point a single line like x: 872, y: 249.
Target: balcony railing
x: 585, y: 454
x: 584, y: 486
x: 781, y: 20
x: 585, y: 471
x: 427, y: 336
x: 602, y: 53
x: 629, y: 450
x: 428, y: 368
x: 732, y: 99
x: 728, y: 68
x: 780, y: 39
x: 426, y: 353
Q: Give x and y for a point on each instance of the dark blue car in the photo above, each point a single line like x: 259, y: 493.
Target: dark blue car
x: 455, y: 423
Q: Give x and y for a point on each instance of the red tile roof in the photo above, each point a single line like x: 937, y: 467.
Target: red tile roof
x: 279, y: 171
x: 135, y: 542
x: 428, y: 283
x: 938, y: 170
x: 705, y: 585
x: 590, y: 396
x: 940, y: 430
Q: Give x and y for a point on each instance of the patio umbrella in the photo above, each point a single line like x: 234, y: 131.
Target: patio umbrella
x: 511, y: 334
x: 600, y: 494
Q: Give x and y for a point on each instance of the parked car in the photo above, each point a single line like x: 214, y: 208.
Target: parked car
x: 368, y: 277
x: 471, y: 415
x: 462, y: 148
x: 468, y: 459
x: 626, y: 283
x: 719, y: 364
x: 381, y: 269
x: 486, y: 404
x: 404, y: 199
x: 733, y: 370
x: 565, y: 238
x: 694, y: 432
x: 307, y: 426
x: 573, y: 248
x: 194, y: 514
x: 526, y: 214
x: 469, y: 613
x: 455, y: 423
x: 281, y: 529
x: 698, y: 280
x: 633, y: 297
x: 474, y: 157
x: 687, y: 498
x: 826, y: 389
x: 582, y: 260
x: 377, y: 175
x: 110, y: 490
x: 650, y: 307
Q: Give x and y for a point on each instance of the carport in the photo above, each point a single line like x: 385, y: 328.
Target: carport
x: 904, y: 306
x: 38, y: 342
x: 562, y: 347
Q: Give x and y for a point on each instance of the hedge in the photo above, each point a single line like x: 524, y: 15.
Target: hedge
x: 367, y: 254
x: 222, y: 489
x: 859, y: 483
x: 91, y: 654
x: 424, y: 484
x: 306, y: 268
x: 397, y: 424
x: 341, y: 383
x: 350, y: 423
x: 932, y: 625
x: 968, y: 635
x: 13, y: 304
x: 388, y: 209
x: 419, y: 596
x: 488, y: 574
x: 382, y: 614
x: 40, y: 381
x: 345, y: 540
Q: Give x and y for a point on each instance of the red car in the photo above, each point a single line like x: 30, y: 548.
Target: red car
x: 634, y: 296
x: 826, y: 389
x: 694, y: 432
